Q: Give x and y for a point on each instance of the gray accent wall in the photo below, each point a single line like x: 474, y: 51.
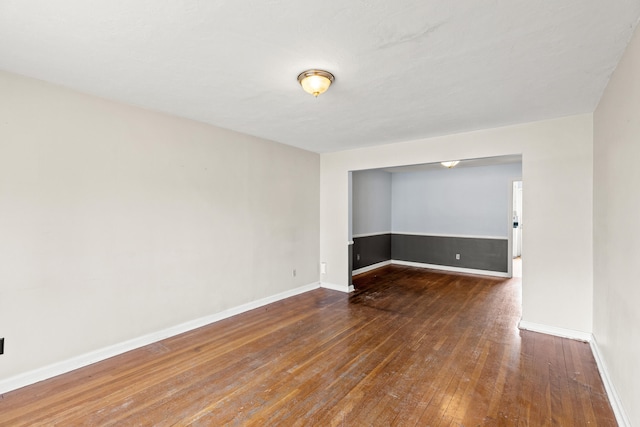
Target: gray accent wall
x: 475, y: 253
x: 371, y: 250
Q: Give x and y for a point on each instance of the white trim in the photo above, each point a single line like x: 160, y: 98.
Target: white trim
x: 334, y: 287
x: 379, y: 233
x: 370, y: 267
x: 464, y: 236
x: 553, y: 330
x: 412, y: 233
x: 451, y: 269
x: 614, y: 398
x: 46, y: 372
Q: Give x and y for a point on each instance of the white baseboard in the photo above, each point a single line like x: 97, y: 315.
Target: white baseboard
x: 450, y: 269
x: 558, y: 332
x: 370, y: 267
x: 50, y: 371
x: 614, y: 398
x: 341, y: 288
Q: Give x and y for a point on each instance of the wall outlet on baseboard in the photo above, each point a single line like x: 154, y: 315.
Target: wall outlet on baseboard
x: 358, y: 257
x: 457, y: 256
x: 1, y: 345
x: 294, y: 272
x: 323, y: 268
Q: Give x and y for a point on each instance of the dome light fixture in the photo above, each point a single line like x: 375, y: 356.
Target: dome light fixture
x: 450, y: 163
x: 315, y: 82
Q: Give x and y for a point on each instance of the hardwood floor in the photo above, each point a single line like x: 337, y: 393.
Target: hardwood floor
x: 410, y: 347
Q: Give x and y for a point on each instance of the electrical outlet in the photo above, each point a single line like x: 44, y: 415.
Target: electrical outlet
x: 323, y: 268
x: 1, y: 345
x: 457, y: 256
x: 358, y: 257
x: 294, y: 272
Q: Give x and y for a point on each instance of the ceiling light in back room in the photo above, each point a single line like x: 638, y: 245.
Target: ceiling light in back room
x: 315, y: 82
x: 450, y: 164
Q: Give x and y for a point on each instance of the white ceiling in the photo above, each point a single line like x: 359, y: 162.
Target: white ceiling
x: 405, y: 69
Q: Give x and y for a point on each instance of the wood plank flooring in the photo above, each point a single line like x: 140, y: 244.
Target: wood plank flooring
x: 410, y: 347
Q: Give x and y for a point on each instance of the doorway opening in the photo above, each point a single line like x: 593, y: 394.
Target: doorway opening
x: 456, y: 219
x: 517, y: 229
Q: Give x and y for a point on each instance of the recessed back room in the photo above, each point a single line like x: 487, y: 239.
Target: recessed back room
x: 456, y: 218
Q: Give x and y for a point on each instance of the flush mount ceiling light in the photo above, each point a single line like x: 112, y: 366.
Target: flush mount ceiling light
x: 315, y: 82
x: 450, y: 164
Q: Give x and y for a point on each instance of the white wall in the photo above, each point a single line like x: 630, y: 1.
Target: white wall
x: 371, y: 202
x: 116, y: 222
x: 616, y: 322
x: 557, y: 169
x: 471, y: 201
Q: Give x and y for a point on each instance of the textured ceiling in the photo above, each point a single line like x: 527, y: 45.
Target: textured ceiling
x: 404, y: 69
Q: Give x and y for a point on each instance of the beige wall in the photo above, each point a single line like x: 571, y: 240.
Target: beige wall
x: 116, y: 222
x: 617, y: 229
x: 557, y: 176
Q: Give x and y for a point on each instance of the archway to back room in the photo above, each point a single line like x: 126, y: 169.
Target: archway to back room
x: 458, y: 219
